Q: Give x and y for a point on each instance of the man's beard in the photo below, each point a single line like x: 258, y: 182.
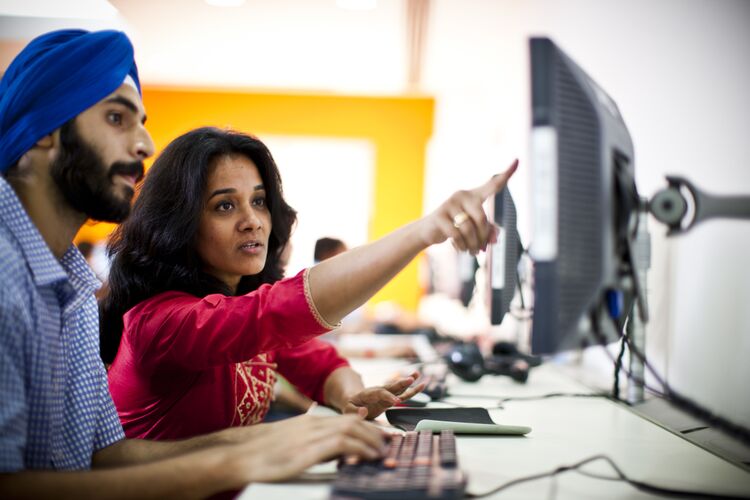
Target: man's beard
x: 86, y: 183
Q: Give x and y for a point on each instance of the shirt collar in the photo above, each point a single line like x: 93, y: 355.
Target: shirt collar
x: 45, y: 268
x: 82, y: 277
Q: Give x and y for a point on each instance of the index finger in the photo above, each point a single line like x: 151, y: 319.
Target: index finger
x: 400, y: 384
x: 412, y: 391
x: 497, y: 182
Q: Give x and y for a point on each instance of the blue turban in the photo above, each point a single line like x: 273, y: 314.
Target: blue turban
x: 55, y: 78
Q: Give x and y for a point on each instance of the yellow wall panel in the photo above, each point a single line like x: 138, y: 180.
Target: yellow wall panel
x: 399, y: 127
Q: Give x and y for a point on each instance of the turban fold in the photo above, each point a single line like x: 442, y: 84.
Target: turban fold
x: 56, y: 77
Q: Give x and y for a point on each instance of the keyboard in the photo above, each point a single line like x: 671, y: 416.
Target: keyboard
x: 418, y: 465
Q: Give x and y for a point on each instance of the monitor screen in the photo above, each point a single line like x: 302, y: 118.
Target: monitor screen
x: 503, y: 257
x: 583, y: 202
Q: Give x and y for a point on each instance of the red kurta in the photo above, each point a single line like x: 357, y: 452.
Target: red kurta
x: 188, y: 366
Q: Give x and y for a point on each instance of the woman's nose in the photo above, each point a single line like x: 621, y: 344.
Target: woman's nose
x: 249, y: 220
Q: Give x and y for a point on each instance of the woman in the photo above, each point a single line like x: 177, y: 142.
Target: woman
x: 198, y: 319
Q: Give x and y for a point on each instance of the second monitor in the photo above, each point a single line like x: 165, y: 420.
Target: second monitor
x: 584, y: 205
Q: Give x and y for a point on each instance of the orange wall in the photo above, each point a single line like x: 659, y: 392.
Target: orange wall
x: 399, y: 128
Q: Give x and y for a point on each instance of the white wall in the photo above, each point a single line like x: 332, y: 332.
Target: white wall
x: 329, y: 183
x: 680, y: 73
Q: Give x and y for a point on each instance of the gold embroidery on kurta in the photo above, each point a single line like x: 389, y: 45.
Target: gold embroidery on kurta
x: 256, y: 379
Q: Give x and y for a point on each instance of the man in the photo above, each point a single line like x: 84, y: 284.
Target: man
x: 72, y: 143
x: 326, y: 247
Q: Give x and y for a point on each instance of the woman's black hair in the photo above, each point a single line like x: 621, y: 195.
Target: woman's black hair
x: 153, y: 251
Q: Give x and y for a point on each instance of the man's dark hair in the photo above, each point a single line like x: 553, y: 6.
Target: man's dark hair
x: 325, y: 248
x: 154, y: 250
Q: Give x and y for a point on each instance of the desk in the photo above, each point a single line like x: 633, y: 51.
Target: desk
x: 564, y: 431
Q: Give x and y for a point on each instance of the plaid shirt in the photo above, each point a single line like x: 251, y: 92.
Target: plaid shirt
x: 55, y: 406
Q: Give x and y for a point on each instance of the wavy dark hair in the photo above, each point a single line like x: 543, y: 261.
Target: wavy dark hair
x: 153, y: 251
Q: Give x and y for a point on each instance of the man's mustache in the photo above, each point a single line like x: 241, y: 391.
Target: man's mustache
x: 134, y: 169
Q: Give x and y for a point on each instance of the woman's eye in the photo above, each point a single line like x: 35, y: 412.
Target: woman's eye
x: 224, y: 206
x: 259, y: 202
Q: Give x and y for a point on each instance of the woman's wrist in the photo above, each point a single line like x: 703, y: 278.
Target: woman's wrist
x: 340, y: 386
x: 341, y: 400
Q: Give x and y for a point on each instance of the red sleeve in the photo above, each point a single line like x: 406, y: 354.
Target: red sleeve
x: 308, y: 366
x: 180, y: 329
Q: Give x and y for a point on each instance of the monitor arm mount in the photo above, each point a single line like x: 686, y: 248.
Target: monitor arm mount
x: 679, y: 206
x: 680, y: 213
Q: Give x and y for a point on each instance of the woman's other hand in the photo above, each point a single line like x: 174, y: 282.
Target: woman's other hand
x: 373, y: 401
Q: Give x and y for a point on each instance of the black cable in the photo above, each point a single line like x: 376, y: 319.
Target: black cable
x: 640, y: 485
x: 520, y: 289
x: 530, y: 398
x: 597, y: 476
x: 629, y: 374
x: 459, y: 405
x: 691, y: 407
x: 500, y: 405
x: 642, y: 358
x: 694, y: 429
x: 556, y: 395
x: 618, y: 367
x: 472, y: 396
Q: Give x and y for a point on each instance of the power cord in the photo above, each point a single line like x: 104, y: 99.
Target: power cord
x: 620, y: 476
x: 459, y: 405
x: 556, y: 395
x: 618, y: 367
x: 502, y: 401
x: 691, y: 407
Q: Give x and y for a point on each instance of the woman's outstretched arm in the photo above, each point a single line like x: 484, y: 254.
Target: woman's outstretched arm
x: 342, y: 283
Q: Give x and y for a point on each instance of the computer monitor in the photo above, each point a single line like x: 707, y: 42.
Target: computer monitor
x: 584, y: 204
x: 466, y: 267
x: 503, y: 257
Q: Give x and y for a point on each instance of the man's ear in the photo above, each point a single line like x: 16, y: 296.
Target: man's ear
x: 46, y: 142
x: 49, y: 145
x: 44, y: 151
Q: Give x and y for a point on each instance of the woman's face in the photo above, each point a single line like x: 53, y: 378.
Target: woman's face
x: 235, y: 223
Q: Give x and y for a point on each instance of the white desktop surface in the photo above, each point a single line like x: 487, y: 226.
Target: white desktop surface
x: 564, y: 431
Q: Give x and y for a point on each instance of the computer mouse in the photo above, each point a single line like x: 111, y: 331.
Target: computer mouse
x: 419, y: 400
x: 465, y: 360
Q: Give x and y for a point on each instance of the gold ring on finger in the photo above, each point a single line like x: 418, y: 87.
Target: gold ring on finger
x: 459, y: 219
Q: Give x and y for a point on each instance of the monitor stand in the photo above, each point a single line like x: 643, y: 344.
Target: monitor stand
x: 680, y: 206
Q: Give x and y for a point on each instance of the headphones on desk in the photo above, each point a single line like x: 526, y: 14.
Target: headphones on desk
x: 466, y: 361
